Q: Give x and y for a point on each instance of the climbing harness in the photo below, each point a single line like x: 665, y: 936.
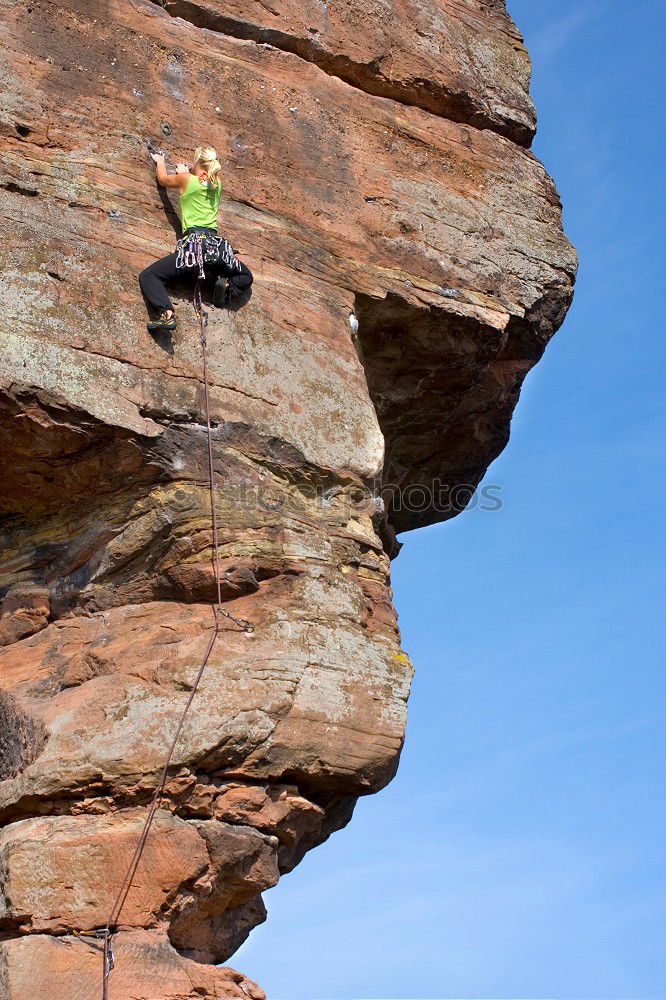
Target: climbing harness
x: 208, y: 247
x: 104, y: 934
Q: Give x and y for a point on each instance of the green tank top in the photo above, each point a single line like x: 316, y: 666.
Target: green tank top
x: 199, y: 204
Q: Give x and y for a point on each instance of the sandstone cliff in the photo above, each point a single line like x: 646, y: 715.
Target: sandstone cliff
x: 376, y: 164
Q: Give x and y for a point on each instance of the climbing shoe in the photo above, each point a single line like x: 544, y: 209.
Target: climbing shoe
x: 162, y: 323
x: 221, y: 293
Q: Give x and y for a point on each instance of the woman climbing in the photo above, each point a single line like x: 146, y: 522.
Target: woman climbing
x: 200, y: 188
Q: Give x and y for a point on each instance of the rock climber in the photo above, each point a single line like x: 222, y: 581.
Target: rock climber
x: 200, y: 247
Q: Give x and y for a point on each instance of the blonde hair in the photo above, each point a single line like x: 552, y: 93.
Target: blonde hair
x: 207, y: 157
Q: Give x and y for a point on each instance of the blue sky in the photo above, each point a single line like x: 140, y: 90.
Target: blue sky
x: 520, y: 851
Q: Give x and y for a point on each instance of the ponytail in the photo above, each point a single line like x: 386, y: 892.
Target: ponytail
x: 207, y: 157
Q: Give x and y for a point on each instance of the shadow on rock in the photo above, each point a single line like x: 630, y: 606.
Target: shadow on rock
x: 164, y: 340
x: 236, y: 302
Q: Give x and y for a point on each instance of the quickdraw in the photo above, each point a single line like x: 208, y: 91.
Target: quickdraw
x: 102, y: 934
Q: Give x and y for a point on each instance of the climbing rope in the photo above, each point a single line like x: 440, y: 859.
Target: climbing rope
x: 219, y: 612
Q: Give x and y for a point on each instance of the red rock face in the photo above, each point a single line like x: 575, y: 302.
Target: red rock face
x: 410, y: 268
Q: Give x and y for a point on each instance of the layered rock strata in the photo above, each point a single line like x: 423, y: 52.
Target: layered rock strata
x: 410, y: 268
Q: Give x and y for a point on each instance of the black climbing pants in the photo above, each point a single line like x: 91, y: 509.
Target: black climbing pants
x: 154, y: 278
